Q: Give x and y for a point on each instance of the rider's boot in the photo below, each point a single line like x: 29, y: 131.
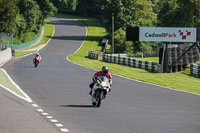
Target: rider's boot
x: 90, y: 93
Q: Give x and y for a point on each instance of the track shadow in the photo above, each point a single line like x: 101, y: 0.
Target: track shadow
x: 77, y: 106
x: 66, y: 22
x: 76, y: 38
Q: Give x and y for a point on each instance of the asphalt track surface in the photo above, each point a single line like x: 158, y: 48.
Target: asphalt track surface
x: 17, y: 116
x: 61, y: 88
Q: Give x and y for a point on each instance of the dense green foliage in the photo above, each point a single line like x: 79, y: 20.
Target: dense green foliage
x: 181, y: 81
x: 145, y: 13
x: 9, y: 13
x: 21, y: 17
x: 126, y: 12
x: 179, y: 13
x: 65, y: 4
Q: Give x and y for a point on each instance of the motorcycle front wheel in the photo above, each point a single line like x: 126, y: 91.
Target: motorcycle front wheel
x: 98, y: 98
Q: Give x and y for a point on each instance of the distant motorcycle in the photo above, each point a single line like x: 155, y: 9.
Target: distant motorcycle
x: 36, y: 61
x: 101, y: 88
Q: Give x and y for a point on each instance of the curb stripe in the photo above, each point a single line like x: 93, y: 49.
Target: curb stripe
x: 49, y: 117
x: 59, y: 125
x: 64, y: 130
x: 54, y: 120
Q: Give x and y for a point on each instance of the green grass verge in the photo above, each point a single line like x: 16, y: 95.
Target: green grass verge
x: 30, y: 36
x: 181, y: 81
x: 19, y: 54
x: 4, y: 80
x: 152, y: 59
x: 48, y: 32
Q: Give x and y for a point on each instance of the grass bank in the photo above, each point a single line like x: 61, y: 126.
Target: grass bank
x: 48, y: 32
x: 181, y: 81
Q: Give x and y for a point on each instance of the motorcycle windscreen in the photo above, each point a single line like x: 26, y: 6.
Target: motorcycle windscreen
x: 103, y: 79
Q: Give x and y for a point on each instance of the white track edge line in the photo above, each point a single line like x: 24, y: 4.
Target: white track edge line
x: 141, y: 81
x: 130, y: 78
x: 27, y: 98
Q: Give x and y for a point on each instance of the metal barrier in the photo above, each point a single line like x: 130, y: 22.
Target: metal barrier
x: 147, y: 65
x: 5, y: 40
x: 195, y: 70
x: 26, y: 45
x: 93, y: 55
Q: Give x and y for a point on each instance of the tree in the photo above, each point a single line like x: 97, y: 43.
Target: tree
x: 120, y: 45
x: 30, y: 11
x: 47, y: 8
x: 65, y: 4
x: 61, y: 4
x: 138, y: 13
x: 179, y: 13
x: 72, y: 5
x: 8, y: 13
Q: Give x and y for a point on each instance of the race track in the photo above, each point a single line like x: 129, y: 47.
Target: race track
x: 61, y: 88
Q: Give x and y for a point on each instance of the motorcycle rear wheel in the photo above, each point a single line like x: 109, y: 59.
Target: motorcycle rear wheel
x: 36, y: 63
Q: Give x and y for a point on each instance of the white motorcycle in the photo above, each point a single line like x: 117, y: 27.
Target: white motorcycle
x: 100, y: 89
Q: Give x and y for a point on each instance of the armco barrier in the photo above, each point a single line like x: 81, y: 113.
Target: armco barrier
x: 5, y: 56
x: 93, y: 55
x: 147, y: 65
x: 195, y: 70
x: 28, y: 44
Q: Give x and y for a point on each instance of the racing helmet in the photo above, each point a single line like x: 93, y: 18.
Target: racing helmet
x: 105, y: 70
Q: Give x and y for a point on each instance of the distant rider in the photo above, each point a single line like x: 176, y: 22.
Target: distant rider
x: 103, y: 72
x: 37, y: 57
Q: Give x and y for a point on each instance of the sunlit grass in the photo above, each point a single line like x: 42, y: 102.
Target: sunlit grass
x: 181, y: 80
x: 19, y: 54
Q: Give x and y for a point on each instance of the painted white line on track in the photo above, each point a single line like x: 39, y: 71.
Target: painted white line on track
x: 49, y: 117
x: 35, y: 105
x: 40, y: 110
x: 158, y: 85
x: 64, y: 130
x: 26, y: 97
x: 82, y: 42
x: 129, y: 78
x: 14, y: 93
x: 54, y: 120
x: 59, y: 125
x: 140, y: 81
x: 45, y: 114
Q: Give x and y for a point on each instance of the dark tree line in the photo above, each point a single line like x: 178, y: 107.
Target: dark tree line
x: 165, y: 13
x: 22, y: 16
